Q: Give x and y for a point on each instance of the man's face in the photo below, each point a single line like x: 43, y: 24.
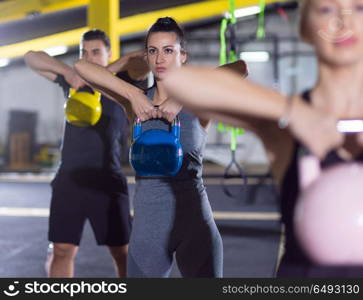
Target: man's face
x: 95, y: 51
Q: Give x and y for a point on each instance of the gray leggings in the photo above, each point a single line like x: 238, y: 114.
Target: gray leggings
x: 173, y: 218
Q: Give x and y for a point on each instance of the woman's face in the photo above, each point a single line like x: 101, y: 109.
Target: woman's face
x: 163, y: 53
x: 335, y: 29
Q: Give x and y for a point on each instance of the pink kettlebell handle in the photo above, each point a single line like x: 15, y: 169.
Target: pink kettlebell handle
x: 309, y: 170
x: 309, y: 165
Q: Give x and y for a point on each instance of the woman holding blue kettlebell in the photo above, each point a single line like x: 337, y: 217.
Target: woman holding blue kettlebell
x: 172, y: 211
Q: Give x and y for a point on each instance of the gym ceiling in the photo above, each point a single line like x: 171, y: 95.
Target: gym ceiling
x: 41, y: 24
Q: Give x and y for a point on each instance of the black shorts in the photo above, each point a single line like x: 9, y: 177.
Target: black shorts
x: 104, y: 201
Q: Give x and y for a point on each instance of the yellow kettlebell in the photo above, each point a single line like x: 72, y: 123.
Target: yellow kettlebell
x: 82, y: 108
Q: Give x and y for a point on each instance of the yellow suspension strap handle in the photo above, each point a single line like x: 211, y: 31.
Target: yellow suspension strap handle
x: 82, y: 108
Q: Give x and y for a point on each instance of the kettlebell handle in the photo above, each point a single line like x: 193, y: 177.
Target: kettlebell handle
x: 175, y: 127
x: 309, y: 165
x: 73, y: 91
x: 175, y: 122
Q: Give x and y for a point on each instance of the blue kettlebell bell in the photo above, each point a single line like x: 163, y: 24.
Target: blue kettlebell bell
x: 156, y: 152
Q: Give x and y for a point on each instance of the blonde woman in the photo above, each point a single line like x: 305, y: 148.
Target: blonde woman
x: 334, y: 28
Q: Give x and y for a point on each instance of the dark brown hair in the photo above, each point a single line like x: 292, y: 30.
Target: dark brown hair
x: 167, y: 24
x: 96, y: 34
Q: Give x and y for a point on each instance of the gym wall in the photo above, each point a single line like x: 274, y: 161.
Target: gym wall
x: 20, y: 88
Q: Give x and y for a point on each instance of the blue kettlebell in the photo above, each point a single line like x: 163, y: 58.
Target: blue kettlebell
x: 156, y: 152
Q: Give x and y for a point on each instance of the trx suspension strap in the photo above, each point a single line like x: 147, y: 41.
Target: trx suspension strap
x: 228, y: 54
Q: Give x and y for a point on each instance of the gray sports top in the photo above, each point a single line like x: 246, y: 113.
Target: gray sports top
x: 192, y: 138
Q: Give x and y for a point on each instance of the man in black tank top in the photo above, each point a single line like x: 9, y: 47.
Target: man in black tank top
x: 89, y: 183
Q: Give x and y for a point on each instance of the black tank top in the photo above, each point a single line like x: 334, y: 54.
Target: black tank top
x: 91, y: 156
x: 96, y: 147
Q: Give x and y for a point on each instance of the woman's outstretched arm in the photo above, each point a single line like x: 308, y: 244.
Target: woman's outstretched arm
x: 221, y: 93
x: 117, y: 89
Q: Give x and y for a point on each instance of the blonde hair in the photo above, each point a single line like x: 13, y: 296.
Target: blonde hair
x: 303, y: 15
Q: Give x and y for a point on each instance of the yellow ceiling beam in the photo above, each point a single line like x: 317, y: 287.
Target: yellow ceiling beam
x: 183, y: 14
x: 109, y: 10
x: 18, y: 9
x: 67, y: 38
x: 129, y: 25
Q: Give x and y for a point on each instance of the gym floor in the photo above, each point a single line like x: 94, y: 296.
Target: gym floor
x: 248, y: 222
